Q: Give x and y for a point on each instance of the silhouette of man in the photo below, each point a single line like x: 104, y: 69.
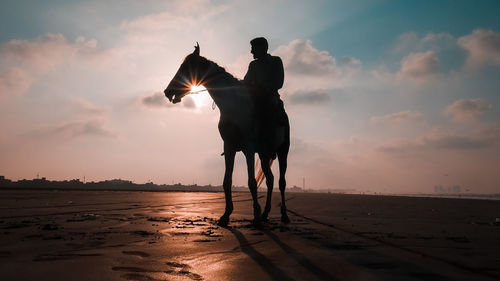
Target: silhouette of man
x: 265, y: 77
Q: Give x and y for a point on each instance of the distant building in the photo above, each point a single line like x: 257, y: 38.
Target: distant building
x: 450, y: 189
x: 295, y: 189
x: 5, y: 182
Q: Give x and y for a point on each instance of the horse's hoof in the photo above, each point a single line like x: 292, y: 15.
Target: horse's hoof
x: 257, y: 223
x: 257, y: 220
x: 223, y: 221
x: 285, y: 219
x: 264, y: 216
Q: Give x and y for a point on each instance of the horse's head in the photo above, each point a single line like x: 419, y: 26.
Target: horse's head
x: 190, y: 73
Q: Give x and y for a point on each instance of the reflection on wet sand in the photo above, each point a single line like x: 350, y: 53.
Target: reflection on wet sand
x: 174, y: 236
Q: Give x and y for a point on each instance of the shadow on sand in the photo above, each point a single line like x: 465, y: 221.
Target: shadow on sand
x: 300, y: 258
x: 269, y: 267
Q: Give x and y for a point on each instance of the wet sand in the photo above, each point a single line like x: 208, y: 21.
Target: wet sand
x: 111, y: 235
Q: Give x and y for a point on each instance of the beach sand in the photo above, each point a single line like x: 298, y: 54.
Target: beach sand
x: 113, y: 235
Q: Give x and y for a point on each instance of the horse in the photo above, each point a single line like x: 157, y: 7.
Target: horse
x: 237, y: 127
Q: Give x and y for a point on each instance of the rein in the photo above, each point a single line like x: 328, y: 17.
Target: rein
x: 211, y: 75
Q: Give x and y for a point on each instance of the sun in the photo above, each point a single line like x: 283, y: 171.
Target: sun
x: 200, y: 95
x: 195, y: 89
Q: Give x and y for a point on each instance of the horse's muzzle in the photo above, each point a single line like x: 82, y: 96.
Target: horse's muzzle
x: 175, y: 100
x: 167, y: 95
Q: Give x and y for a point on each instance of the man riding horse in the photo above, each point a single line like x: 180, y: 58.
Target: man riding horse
x: 264, y: 78
x: 238, y: 107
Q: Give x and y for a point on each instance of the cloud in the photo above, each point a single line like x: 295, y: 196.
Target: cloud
x: 158, y: 100
x: 467, y: 110
x: 483, y: 47
x: 405, y: 42
x: 14, y: 82
x: 91, y: 127
x: 72, y: 129
x: 309, y: 98
x: 469, y: 52
x: 456, y: 142
x: 81, y: 118
x: 399, y: 118
x: 439, y: 138
x: 411, y: 42
x: 182, y: 15
x: 82, y: 107
x: 435, y: 40
x: 48, y: 51
x: 171, y: 29
x: 301, y: 58
x: 152, y: 22
x: 448, y: 56
x: 298, y: 146
x: 419, y: 66
x: 350, y: 61
x: 308, y: 68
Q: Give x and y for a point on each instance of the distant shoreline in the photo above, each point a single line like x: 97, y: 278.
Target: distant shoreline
x: 126, y: 185
x: 215, y: 189
x: 455, y: 196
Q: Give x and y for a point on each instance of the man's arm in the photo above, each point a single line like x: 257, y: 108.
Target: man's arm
x: 250, y: 76
x: 278, y: 74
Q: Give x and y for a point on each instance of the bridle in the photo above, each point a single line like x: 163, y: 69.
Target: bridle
x: 211, y: 73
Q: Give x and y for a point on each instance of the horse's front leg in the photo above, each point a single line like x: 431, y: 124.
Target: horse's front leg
x: 228, y: 182
x: 252, y: 185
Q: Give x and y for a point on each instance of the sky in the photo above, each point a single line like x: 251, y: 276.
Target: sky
x: 382, y: 96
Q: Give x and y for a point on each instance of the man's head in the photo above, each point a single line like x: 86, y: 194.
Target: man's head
x: 259, y: 47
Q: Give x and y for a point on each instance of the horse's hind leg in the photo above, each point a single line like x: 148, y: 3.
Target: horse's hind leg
x: 282, y: 158
x: 252, y: 185
x: 228, y: 181
x: 266, y: 168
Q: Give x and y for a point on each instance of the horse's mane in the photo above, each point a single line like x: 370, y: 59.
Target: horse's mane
x: 219, y: 68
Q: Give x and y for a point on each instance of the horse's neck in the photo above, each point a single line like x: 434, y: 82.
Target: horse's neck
x: 226, y: 92
x: 235, y: 104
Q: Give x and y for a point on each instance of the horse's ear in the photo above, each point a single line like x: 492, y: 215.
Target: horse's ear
x: 196, y: 51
